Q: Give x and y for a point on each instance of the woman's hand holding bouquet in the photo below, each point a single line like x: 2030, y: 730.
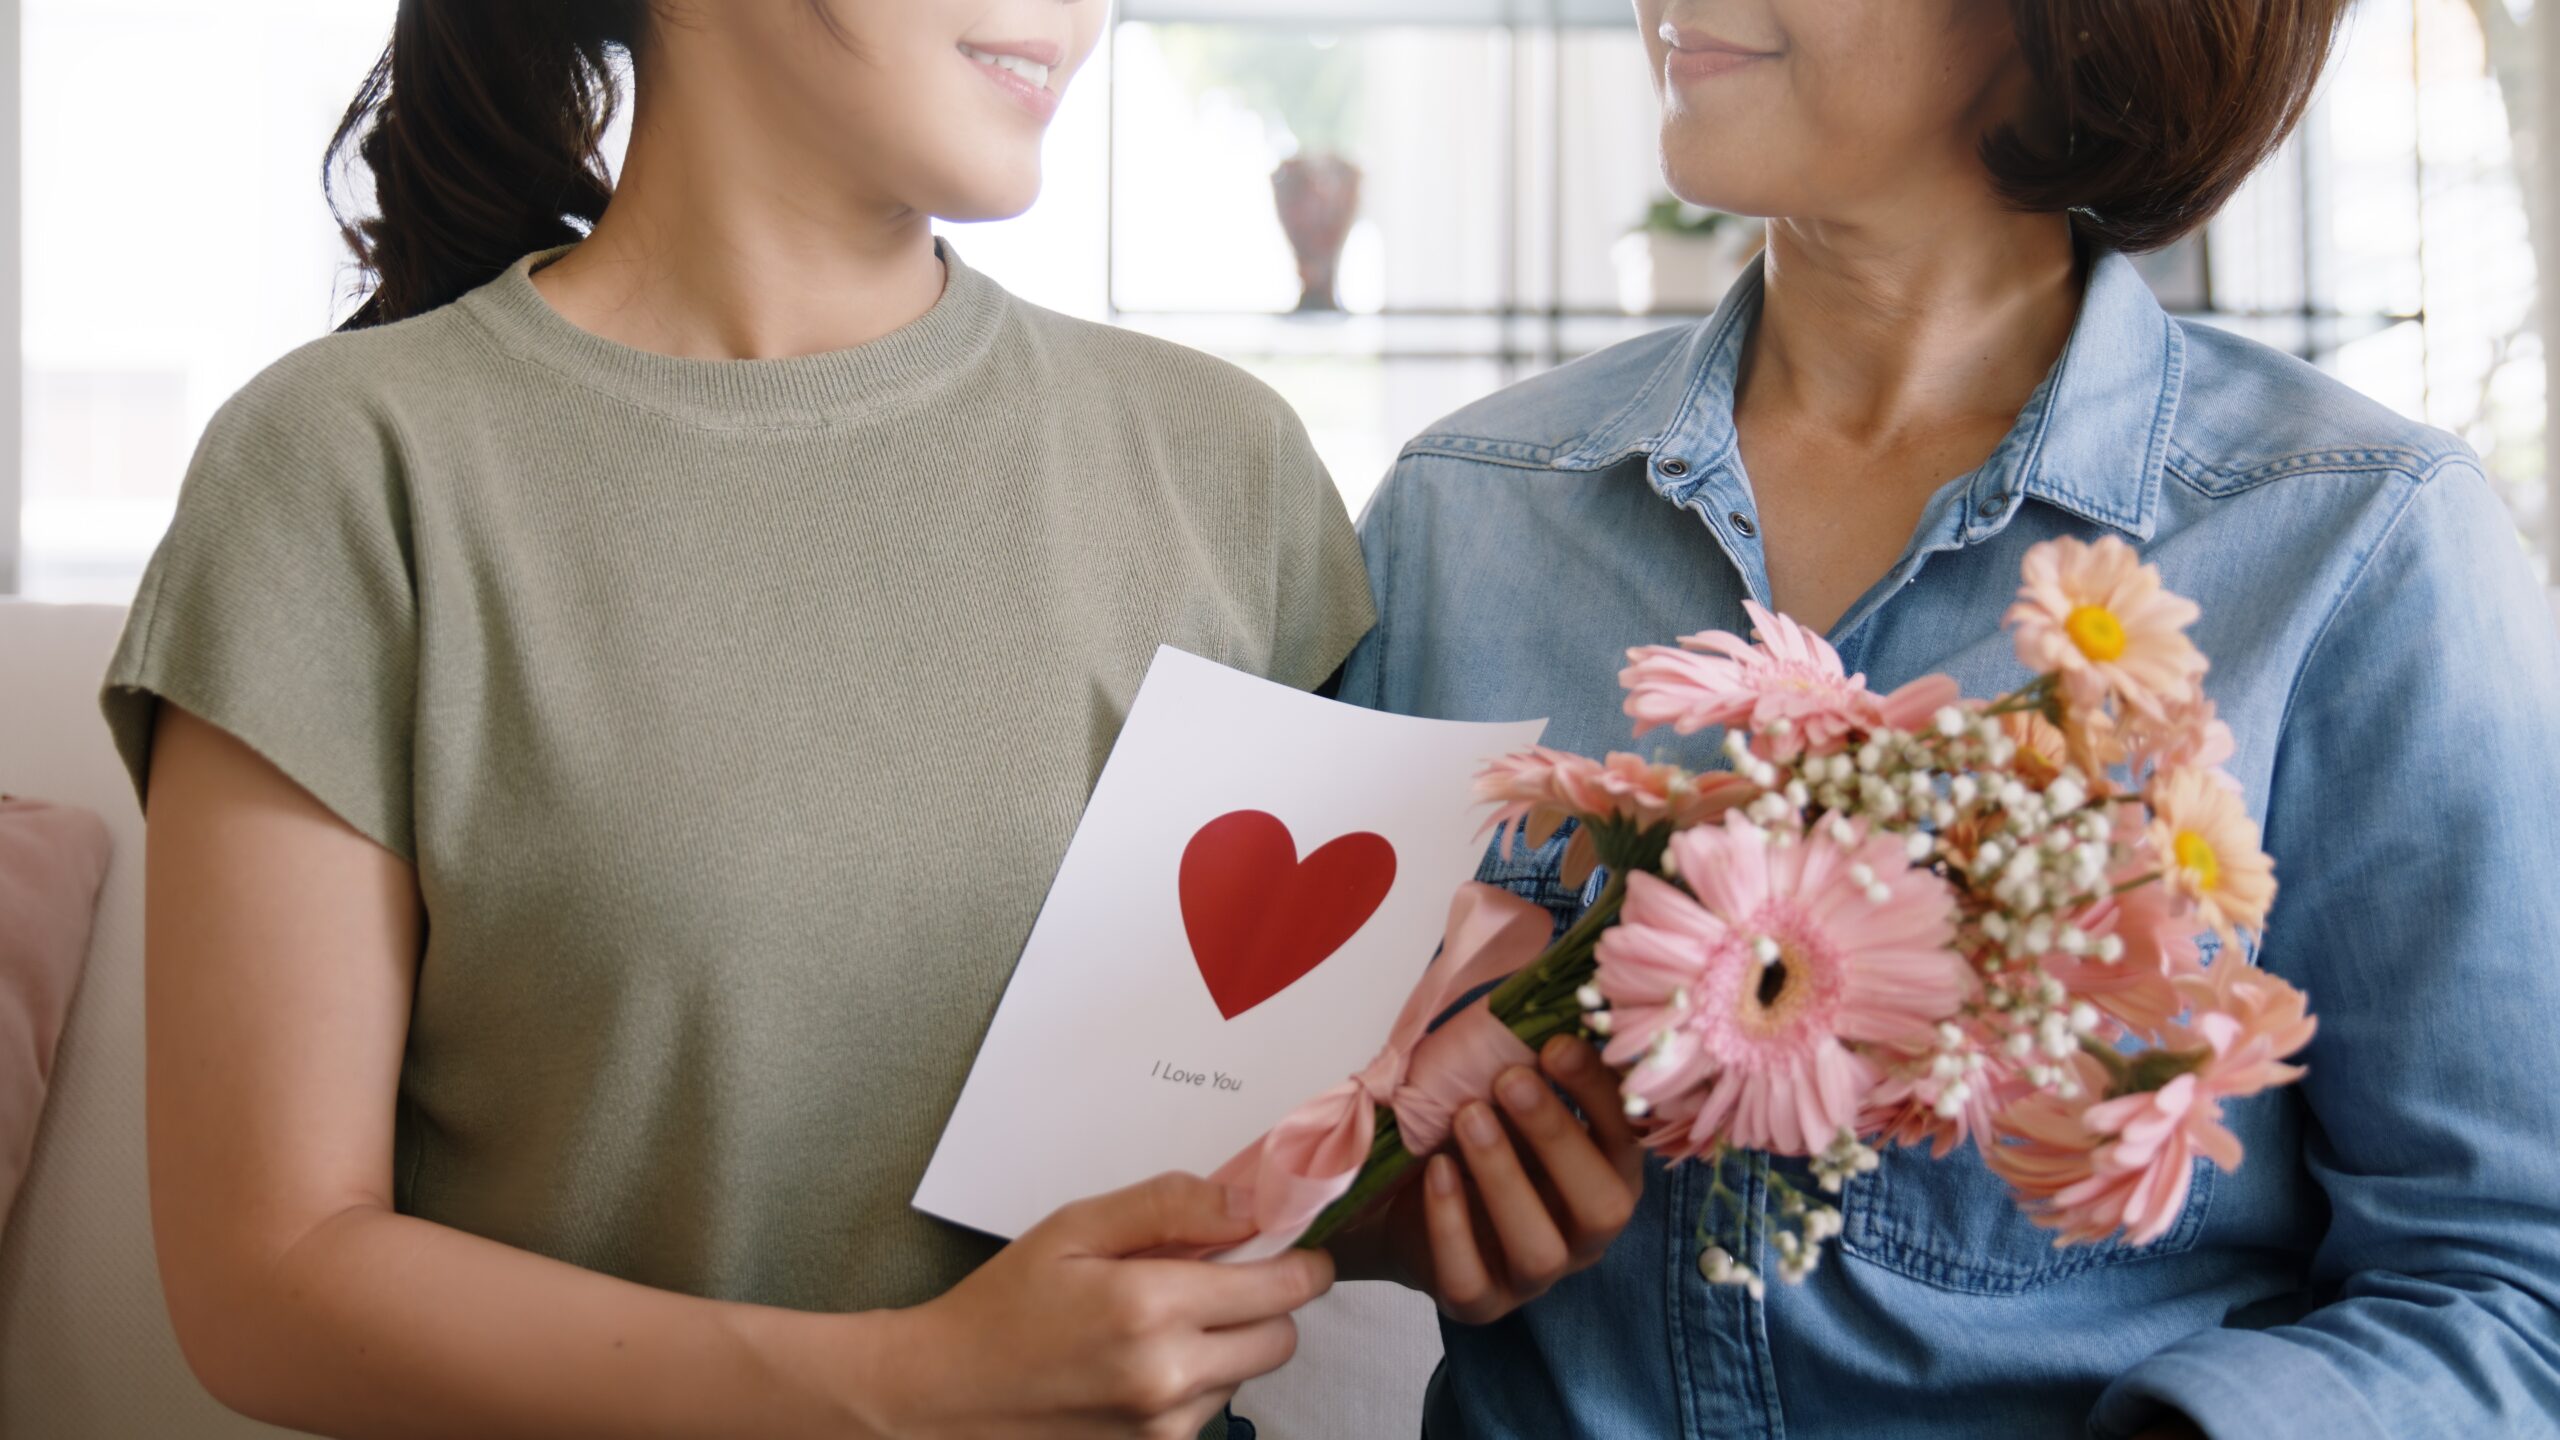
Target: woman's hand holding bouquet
x: 1533, y: 1192
x: 1905, y: 919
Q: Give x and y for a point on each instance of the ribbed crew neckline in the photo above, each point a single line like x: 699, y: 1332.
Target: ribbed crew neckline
x: 839, y: 385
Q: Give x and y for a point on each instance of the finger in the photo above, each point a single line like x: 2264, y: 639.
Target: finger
x: 1458, y: 1271
x: 1171, y: 1209
x: 1188, y: 1422
x: 1575, y: 1066
x: 1213, y: 1297
x: 1534, y: 1254
x: 1587, y: 1183
x: 1232, y: 1356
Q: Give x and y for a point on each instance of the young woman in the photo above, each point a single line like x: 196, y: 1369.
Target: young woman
x: 1944, y: 359
x: 608, y: 726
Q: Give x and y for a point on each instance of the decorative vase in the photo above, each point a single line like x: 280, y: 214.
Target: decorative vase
x: 1318, y: 197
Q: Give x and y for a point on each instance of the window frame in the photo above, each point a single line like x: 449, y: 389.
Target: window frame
x: 12, y: 302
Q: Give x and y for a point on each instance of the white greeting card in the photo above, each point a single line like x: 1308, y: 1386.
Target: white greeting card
x: 1260, y: 878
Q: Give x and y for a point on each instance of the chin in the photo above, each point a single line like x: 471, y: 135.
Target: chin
x: 974, y: 210
x: 981, y: 196
x: 1716, y: 176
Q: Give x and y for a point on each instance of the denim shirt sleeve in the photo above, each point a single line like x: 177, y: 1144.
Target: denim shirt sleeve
x: 2415, y: 822
x: 1364, y: 675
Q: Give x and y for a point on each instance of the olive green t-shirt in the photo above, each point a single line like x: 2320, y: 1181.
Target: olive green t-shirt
x: 735, y: 716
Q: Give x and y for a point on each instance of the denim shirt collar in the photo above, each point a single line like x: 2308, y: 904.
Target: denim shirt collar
x: 2120, y: 374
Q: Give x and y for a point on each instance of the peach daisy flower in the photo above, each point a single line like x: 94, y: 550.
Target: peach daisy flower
x: 2189, y: 736
x: 2140, y: 999
x: 2042, y: 748
x: 2251, y: 1020
x: 2087, y: 1170
x: 1539, y: 789
x: 1791, y: 675
x: 2157, y: 927
x: 2089, y: 744
x: 2208, y: 851
x: 2156, y: 934
x: 1745, y: 995
x: 1535, y: 791
x: 1903, y: 1109
x: 2098, y: 617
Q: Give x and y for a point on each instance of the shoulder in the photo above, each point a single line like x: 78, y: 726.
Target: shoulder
x: 2251, y: 416
x: 349, y: 390
x: 1563, y: 411
x: 1159, y: 383
x: 2341, y: 496
x: 327, y: 435
x: 1487, y: 461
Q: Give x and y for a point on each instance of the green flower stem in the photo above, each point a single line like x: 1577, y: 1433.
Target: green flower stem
x: 1538, y: 1003
x: 2145, y: 1070
x: 2036, y: 695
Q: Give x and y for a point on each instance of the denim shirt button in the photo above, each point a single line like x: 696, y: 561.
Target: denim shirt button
x: 1743, y: 523
x: 1675, y: 467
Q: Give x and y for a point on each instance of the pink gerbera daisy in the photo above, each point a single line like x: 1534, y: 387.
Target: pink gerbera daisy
x: 1535, y: 791
x: 1539, y: 789
x: 1747, y: 996
x: 1717, y: 678
x: 2252, y: 1020
x: 2098, y: 618
x: 2087, y: 1170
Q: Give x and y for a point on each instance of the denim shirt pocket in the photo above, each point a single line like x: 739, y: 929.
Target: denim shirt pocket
x: 1953, y: 1224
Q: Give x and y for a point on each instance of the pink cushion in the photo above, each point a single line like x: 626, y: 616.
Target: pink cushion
x: 52, y: 860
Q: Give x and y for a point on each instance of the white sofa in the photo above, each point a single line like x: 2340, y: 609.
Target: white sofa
x: 86, y: 1352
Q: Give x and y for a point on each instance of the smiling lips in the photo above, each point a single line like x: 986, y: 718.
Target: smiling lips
x: 1021, y: 70
x: 1697, y: 57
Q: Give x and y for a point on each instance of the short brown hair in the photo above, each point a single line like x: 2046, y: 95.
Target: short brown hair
x: 2156, y: 110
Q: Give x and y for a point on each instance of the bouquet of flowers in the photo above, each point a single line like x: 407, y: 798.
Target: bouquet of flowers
x: 1898, y: 919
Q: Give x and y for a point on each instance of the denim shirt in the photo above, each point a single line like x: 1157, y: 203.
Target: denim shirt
x: 2386, y: 1263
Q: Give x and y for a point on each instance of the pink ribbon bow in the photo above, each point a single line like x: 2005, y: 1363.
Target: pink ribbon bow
x: 1308, y: 1160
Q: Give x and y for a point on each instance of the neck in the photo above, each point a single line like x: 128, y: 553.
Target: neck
x: 1878, y: 329
x: 716, y: 246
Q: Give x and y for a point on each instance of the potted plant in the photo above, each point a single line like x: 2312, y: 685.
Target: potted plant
x: 1682, y: 258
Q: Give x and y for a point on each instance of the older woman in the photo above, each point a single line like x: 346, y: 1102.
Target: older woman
x: 1944, y: 358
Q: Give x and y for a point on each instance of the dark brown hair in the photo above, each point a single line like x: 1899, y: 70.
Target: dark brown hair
x: 2156, y: 110
x: 482, y: 126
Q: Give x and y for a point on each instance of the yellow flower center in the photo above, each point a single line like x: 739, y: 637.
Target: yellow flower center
x: 2097, y: 631
x: 2195, y: 856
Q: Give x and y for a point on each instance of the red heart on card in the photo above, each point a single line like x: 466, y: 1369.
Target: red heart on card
x: 1260, y: 918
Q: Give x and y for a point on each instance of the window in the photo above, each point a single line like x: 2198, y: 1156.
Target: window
x: 176, y: 244
x: 1504, y: 151
x: 175, y: 241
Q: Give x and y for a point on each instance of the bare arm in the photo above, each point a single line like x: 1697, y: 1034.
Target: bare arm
x: 282, y: 956
x: 283, y: 949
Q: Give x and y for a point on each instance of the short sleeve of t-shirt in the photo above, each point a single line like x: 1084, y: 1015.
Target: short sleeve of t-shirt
x: 280, y: 607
